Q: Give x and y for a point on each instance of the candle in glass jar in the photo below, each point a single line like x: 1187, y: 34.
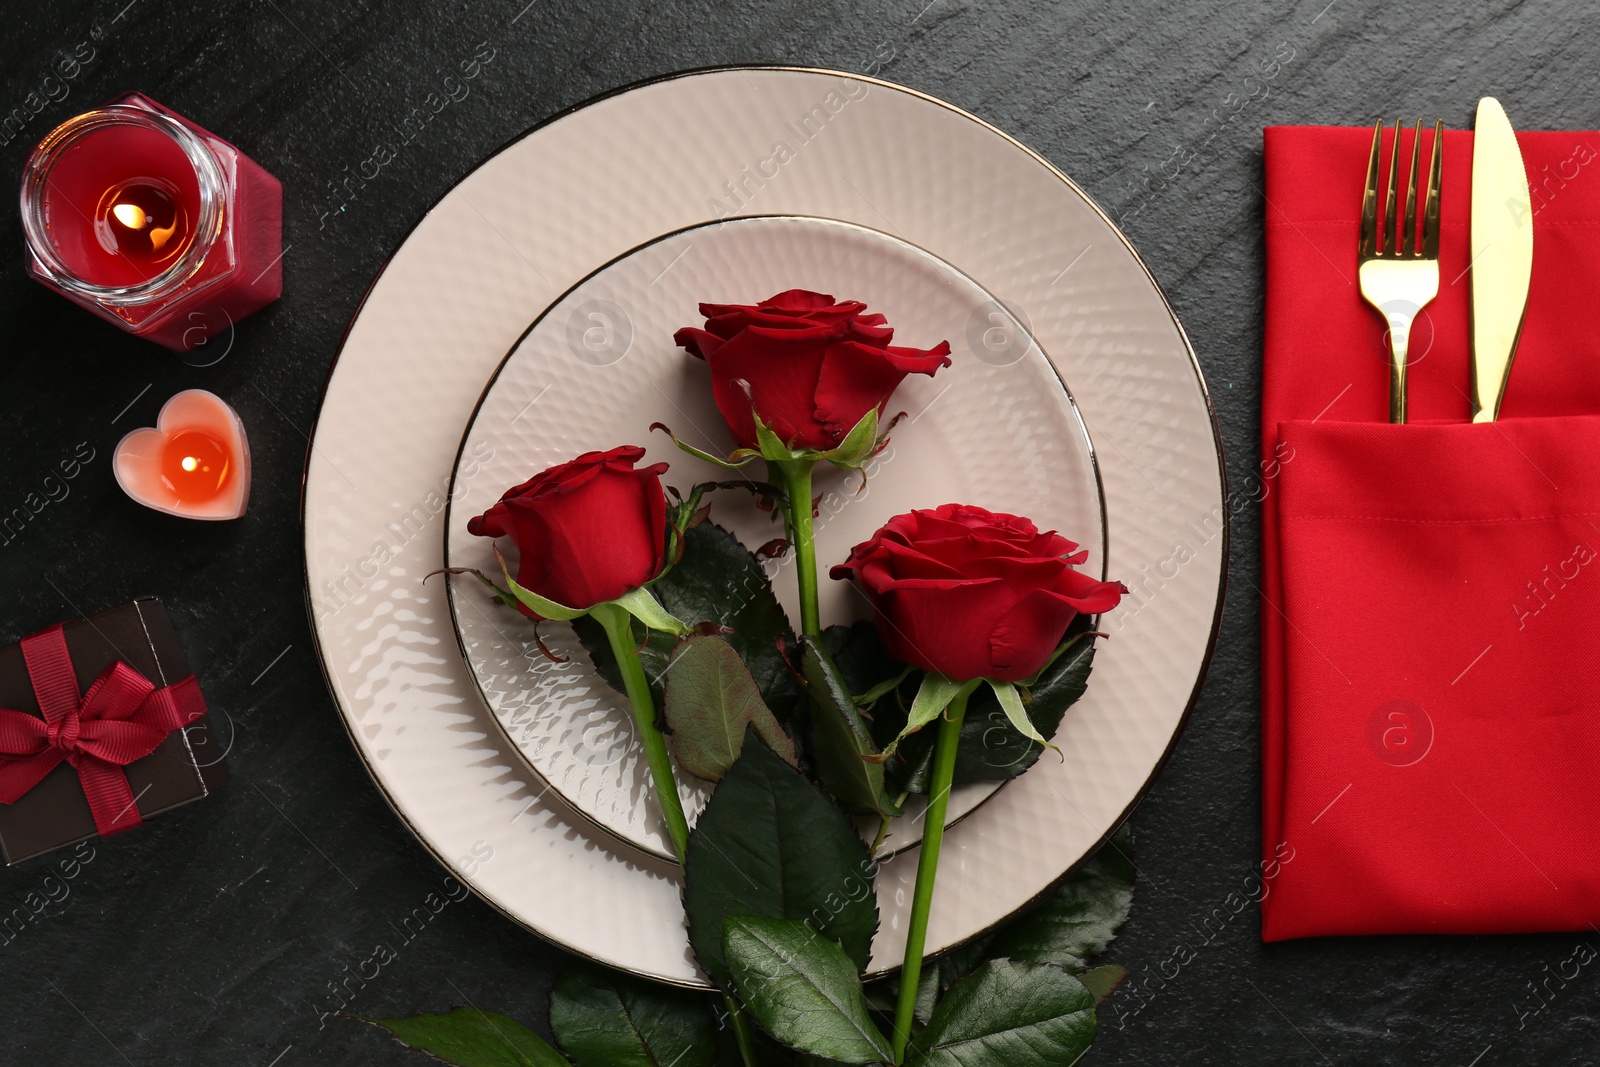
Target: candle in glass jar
x: 152, y: 222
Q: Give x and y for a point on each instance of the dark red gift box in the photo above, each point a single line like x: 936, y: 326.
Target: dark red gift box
x: 133, y: 683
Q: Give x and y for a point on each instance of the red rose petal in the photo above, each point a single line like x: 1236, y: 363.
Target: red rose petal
x: 698, y: 342
x: 1025, y: 636
x: 782, y: 374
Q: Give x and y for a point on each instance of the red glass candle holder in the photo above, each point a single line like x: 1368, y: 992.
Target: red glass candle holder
x: 152, y: 222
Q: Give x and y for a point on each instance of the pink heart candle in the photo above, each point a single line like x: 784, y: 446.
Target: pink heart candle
x: 195, y: 462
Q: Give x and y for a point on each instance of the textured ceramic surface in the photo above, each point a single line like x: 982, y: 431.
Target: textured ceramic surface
x: 581, y: 190
x: 995, y: 428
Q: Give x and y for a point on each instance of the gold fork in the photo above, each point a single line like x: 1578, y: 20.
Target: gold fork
x: 1400, y: 275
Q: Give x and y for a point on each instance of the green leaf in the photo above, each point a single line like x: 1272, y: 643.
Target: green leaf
x: 1079, y: 917
x: 468, y: 1037
x: 841, y: 741
x: 717, y: 581
x: 1103, y: 981
x: 1011, y: 1014
x: 858, y: 445
x: 991, y: 749
x: 949, y: 968
x: 1074, y: 922
x: 1011, y: 703
x: 771, y: 845
x: 604, y: 1019
x: 548, y: 609
x: 711, y: 701
x: 642, y: 605
x: 864, y: 664
x: 803, y: 989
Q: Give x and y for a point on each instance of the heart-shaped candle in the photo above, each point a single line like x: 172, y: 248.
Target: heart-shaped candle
x: 195, y: 463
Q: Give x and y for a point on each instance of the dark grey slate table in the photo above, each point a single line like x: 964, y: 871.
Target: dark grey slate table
x: 212, y: 936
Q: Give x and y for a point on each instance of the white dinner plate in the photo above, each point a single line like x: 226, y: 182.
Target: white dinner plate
x: 575, y: 193
x: 996, y: 428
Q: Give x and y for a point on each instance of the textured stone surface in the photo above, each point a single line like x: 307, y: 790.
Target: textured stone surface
x: 211, y: 936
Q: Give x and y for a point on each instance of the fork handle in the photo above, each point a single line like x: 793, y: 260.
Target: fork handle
x: 1399, y: 353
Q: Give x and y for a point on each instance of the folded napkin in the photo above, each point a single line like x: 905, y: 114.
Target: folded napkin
x: 1430, y: 619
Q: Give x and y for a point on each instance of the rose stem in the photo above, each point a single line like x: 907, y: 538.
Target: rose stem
x: 944, y: 769
x: 797, y: 481
x: 619, y: 631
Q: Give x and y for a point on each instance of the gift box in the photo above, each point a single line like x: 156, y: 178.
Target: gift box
x: 101, y: 726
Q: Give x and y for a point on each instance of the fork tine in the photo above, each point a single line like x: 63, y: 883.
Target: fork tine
x: 1408, y: 246
x: 1391, y: 235
x: 1369, y: 202
x: 1430, y: 213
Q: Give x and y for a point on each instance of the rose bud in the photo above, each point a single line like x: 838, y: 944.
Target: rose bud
x: 972, y: 593
x: 811, y: 367
x: 586, y: 531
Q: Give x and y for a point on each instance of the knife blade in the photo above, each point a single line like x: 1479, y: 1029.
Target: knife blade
x: 1502, y: 255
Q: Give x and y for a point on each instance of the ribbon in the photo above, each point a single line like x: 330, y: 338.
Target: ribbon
x: 123, y: 717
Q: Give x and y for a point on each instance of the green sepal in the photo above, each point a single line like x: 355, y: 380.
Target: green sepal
x: 858, y: 446
x: 769, y: 445
x: 1011, y: 703
x: 642, y: 605
x: 881, y: 690
x: 547, y: 609
x: 732, y: 463
x: 933, y: 696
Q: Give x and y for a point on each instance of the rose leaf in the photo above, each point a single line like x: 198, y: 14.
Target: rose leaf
x: 802, y: 989
x: 1074, y: 922
x: 1016, y: 1014
x: 468, y: 1037
x: 1103, y: 981
x: 605, y: 1019
x: 1078, y: 918
x: 711, y: 701
x: 770, y: 844
x: 843, y: 753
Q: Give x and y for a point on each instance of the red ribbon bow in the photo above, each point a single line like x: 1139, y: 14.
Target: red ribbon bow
x: 123, y: 717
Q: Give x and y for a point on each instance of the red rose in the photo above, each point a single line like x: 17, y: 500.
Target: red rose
x: 586, y: 531
x: 813, y: 368
x: 974, y: 594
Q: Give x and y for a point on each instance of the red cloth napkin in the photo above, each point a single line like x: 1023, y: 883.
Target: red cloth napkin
x: 1430, y: 613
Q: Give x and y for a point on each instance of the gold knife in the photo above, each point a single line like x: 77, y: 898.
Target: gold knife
x: 1502, y: 255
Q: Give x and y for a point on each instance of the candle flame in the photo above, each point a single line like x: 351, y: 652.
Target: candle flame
x: 131, y: 215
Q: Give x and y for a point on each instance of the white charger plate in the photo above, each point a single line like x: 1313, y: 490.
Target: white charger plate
x: 596, y: 181
x: 996, y: 428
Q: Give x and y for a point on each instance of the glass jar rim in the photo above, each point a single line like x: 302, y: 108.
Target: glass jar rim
x: 209, y: 177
